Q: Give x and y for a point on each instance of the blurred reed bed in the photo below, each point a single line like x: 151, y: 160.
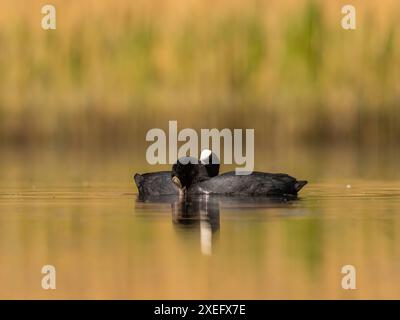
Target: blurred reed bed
x: 114, y: 69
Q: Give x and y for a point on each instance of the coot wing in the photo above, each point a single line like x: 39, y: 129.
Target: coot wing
x: 257, y: 183
x: 155, y: 183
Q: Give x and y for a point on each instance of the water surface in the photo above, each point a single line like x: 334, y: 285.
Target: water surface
x: 83, y: 216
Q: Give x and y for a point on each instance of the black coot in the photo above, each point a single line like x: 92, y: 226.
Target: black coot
x: 160, y: 183
x: 192, y: 180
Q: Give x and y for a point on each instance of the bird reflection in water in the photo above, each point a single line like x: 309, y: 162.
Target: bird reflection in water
x: 203, y: 212
x: 194, y: 213
x: 200, y: 212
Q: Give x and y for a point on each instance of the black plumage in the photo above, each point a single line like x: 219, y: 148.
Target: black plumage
x: 155, y: 184
x: 161, y: 184
x: 195, y: 178
x: 193, y: 181
x: 254, y: 184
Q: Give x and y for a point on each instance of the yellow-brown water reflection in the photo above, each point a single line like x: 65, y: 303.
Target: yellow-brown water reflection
x: 106, y: 244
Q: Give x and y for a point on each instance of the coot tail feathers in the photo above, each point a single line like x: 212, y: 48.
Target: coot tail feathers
x: 300, y: 184
x: 138, y: 179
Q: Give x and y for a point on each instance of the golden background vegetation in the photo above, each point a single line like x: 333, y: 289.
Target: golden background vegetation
x: 114, y: 69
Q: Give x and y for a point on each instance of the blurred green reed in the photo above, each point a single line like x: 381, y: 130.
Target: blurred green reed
x: 114, y: 69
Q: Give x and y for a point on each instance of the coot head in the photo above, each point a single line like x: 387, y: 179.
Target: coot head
x: 187, y: 171
x: 184, y: 171
x: 210, y: 160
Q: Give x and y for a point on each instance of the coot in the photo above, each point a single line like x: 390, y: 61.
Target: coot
x: 192, y: 180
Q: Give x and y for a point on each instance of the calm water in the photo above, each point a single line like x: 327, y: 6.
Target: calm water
x: 80, y: 213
